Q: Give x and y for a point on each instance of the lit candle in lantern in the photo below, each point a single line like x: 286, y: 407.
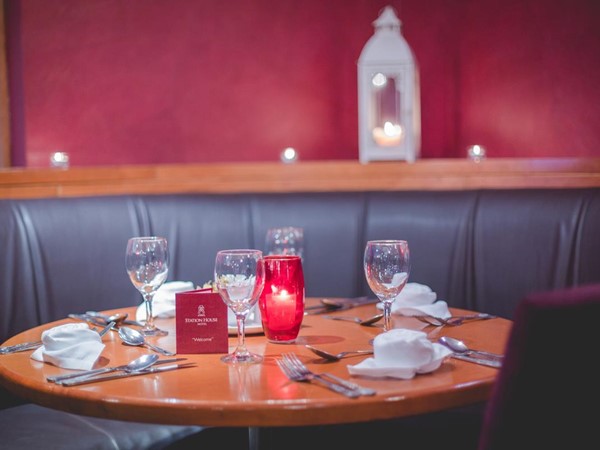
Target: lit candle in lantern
x: 390, y: 134
x: 282, y: 310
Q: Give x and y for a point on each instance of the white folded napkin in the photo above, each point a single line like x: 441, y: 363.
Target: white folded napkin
x: 71, y: 346
x: 401, y: 353
x: 416, y: 299
x: 163, y: 303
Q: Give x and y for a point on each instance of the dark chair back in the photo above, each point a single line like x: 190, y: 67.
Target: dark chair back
x: 547, y: 393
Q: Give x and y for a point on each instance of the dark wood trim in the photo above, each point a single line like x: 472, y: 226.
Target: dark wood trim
x: 326, y: 176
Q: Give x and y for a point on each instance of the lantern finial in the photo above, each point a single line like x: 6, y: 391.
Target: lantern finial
x: 387, y: 19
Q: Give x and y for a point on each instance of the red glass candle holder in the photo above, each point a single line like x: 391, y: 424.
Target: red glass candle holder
x: 282, y: 300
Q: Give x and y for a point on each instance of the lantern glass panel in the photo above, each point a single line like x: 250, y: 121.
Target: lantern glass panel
x: 386, y: 120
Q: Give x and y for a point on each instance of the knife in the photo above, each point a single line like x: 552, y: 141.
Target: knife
x: 20, y: 347
x: 58, y: 379
x: 151, y: 370
x: 103, y: 317
x: 92, y: 320
x: 484, y: 362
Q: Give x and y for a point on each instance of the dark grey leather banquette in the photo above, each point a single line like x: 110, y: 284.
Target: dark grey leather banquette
x: 482, y: 250
x: 478, y: 249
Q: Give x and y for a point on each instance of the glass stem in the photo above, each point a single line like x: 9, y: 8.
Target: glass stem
x: 241, y: 326
x: 148, y: 296
x: 387, y: 316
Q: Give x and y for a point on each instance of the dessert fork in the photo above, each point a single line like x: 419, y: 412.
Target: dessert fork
x: 347, y: 384
x: 291, y: 366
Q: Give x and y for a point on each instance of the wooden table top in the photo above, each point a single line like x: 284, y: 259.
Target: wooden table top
x: 259, y: 395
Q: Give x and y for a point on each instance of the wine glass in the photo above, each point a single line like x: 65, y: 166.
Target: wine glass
x: 147, y: 263
x: 387, y: 265
x: 285, y: 241
x: 240, y: 279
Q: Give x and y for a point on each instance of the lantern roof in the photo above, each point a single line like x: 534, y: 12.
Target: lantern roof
x: 386, y: 46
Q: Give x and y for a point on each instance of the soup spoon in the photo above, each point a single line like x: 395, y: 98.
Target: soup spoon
x: 331, y: 357
x: 459, y: 346
x: 134, y: 337
x: 140, y: 363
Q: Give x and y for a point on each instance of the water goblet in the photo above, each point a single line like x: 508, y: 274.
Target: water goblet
x: 285, y: 241
x: 240, y: 278
x: 387, y: 266
x: 147, y: 264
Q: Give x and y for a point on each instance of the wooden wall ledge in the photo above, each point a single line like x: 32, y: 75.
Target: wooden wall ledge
x: 327, y: 176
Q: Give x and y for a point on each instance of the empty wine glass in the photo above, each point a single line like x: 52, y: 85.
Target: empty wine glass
x: 147, y: 263
x: 240, y: 279
x: 387, y: 266
x: 285, y: 241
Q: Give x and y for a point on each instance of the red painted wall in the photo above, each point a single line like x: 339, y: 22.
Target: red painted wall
x: 155, y: 81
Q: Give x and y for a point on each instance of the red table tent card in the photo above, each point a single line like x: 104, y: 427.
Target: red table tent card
x: 201, y: 322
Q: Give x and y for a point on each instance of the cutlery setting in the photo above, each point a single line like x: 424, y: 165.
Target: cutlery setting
x: 451, y: 321
x: 99, y: 319
x: 119, y: 318
x: 151, y: 370
x: 24, y: 346
x: 364, y: 322
x: 133, y: 337
x: 20, y: 347
x: 295, y: 370
x: 327, y: 305
x: 461, y: 351
x: 336, y: 357
x: 140, y: 363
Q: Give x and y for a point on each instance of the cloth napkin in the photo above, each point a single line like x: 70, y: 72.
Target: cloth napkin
x: 71, y: 346
x: 416, y: 299
x: 163, y: 303
x: 401, y: 353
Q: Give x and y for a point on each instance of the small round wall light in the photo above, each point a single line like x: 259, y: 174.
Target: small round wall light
x: 476, y: 152
x: 59, y: 159
x: 289, y: 155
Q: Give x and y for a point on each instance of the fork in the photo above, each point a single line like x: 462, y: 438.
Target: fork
x: 347, y: 384
x: 293, y: 368
x: 451, y: 321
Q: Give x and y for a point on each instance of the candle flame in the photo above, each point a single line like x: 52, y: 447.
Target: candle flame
x: 392, y: 130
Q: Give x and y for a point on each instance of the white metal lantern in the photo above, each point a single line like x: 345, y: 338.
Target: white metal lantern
x: 389, y: 111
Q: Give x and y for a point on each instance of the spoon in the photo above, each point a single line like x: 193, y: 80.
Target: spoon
x: 140, y: 363
x: 364, y: 322
x: 331, y: 357
x: 134, y: 337
x: 459, y: 346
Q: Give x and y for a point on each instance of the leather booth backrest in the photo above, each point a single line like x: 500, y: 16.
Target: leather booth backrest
x: 480, y: 249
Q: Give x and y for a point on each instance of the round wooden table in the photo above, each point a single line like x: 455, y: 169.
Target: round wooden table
x: 259, y: 395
